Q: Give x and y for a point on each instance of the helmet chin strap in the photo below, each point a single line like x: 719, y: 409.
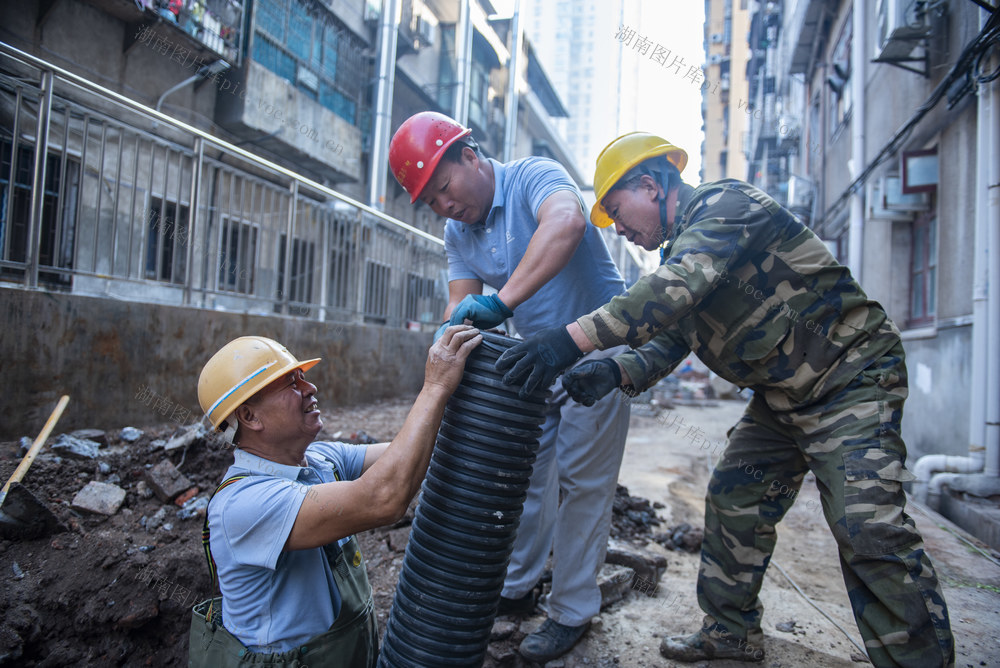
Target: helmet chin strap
x: 665, y: 183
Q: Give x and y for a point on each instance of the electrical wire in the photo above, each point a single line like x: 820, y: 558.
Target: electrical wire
x: 963, y: 66
x: 819, y: 609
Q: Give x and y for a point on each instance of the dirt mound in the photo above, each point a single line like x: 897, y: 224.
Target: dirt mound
x: 118, y: 590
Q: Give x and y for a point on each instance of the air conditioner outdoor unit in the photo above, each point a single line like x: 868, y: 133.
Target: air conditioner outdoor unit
x: 899, y: 27
x: 893, y: 197
x: 715, y: 59
x: 716, y: 38
x: 886, y: 200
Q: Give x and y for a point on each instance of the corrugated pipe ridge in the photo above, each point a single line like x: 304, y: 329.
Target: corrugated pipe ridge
x: 466, y: 520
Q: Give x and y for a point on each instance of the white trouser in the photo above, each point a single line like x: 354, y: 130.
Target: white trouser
x: 580, y: 452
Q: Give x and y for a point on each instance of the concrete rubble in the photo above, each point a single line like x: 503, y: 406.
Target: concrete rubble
x: 75, y: 448
x: 130, y: 434
x: 166, y: 481
x: 196, y: 507
x: 615, y: 582
x: 645, y: 565
x: 98, y: 436
x: 681, y: 537
x: 99, y: 498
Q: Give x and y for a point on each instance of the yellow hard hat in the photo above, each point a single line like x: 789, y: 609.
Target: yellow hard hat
x: 620, y: 156
x: 240, y: 369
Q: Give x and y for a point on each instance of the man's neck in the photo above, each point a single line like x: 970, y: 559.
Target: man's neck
x: 290, y: 456
x: 491, y: 175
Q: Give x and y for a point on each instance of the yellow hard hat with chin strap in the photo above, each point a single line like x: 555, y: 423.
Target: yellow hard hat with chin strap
x: 241, y: 369
x: 622, y: 155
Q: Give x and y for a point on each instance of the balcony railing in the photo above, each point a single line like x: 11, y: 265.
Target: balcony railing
x: 103, y: 196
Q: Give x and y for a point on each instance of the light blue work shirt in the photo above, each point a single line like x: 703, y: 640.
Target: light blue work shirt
x: 273, y: 601
x: 490, y: 250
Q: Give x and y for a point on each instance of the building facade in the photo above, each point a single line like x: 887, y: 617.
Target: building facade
x: 876, y: 122
x: 725, y: 109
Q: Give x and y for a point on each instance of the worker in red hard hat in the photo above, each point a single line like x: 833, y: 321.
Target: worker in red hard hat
x: 521, y: 229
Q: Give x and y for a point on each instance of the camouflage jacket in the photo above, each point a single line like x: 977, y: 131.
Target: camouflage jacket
x: 755, y: 295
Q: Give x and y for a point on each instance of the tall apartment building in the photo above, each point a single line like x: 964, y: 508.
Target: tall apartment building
x: 575, y: 40
x: 725, y: 108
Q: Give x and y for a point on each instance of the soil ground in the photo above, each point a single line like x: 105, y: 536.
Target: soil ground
x: 111, y: 592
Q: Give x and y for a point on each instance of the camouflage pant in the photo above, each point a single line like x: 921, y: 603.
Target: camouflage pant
x: 851, y: 442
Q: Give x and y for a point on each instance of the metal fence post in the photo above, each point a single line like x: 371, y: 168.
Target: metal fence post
x: 286, y: 282
x: 193, y: 204
x: 38, y: 180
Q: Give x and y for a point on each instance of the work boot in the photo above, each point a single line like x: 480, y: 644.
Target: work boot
x: 517, y: 606
x: 700, y: 647
x: 551, y: 641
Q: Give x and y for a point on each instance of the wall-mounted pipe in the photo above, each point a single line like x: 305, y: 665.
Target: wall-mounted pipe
x: 466, y: 521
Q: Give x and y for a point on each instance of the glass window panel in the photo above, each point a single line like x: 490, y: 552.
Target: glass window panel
x: 268, y: 54
x: 271, y: 17
x: 299, y: 32
x: 918, y: 247
x: 917, y: 302
x: 329, y: 66
x: 931, y: 291
x: 932, y: 243
x: 317, y: 46
x: 337, y: 102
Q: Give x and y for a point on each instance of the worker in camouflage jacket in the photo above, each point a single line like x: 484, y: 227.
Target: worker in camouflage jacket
x: 759, y: 298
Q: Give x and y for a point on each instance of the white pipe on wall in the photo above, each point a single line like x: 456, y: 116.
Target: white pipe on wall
x: 381, y: 132
x: 992, y: 151
x: 855, y: 230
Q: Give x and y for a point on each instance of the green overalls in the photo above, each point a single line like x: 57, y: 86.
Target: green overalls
x: 351, y: 641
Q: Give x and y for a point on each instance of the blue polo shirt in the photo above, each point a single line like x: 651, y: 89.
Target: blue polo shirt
x: 490, y: 250
x: 273, y: 601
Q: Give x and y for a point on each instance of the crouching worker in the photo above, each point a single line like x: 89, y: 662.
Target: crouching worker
x: 281, y: 525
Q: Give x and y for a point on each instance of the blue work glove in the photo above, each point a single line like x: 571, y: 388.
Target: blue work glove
x: 539, y: 359
x: 440, y: 331
x: 591, y: 380
x: 485, y: 312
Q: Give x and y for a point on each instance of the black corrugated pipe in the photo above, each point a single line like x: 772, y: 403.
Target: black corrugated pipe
x: 466, y: 520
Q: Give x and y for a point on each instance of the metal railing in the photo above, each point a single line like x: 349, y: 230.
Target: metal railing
x: 101, y: 195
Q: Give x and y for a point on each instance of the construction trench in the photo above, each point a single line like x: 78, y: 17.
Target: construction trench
x: 116, y: 587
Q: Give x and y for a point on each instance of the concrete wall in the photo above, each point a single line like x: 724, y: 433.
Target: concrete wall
x: 104, y: 353
x: 270, y: 104
x: 936, y: 415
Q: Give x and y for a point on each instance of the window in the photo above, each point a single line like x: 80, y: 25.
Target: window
x: 166, y: 241
x: 268, y: 54
x: 56, y: 241
x: 479, y: 89
x: 839, y: 77
x: 377, y: 276
x: 923, y: 278
x: 420, y: 302
x: 302, y: 43
x: 238, y: 256
x: 300, y: 283
x: 446, y: 68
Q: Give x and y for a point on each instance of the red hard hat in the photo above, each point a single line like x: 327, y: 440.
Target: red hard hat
x: 417, y: 147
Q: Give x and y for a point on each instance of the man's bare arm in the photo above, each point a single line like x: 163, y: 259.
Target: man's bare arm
x: 383, y: 492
